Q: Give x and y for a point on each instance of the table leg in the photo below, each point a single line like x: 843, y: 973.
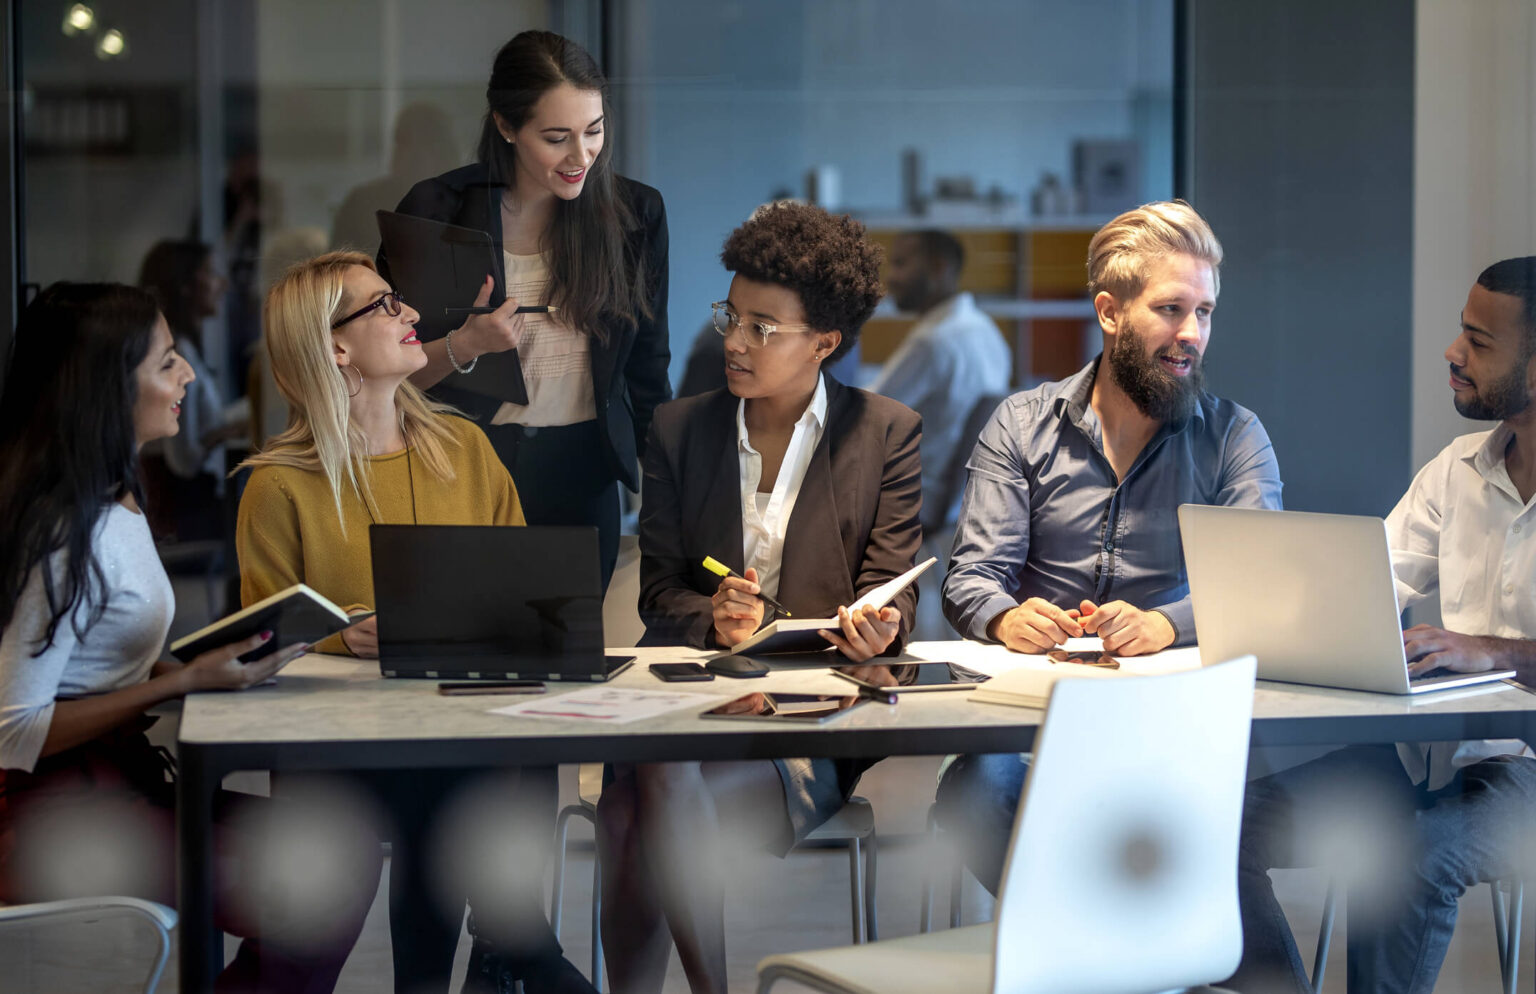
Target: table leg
x: 202, y: 944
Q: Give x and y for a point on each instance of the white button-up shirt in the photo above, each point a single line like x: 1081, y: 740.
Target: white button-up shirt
x: 765, y: 522
x: 1463, y: 532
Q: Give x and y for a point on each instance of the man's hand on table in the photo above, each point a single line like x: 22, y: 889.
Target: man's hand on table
x: 1034, y: 626
x: 1126, y: 630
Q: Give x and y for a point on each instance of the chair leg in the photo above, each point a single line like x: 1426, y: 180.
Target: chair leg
x: 856, y: 889
x: 925, y: 912
x: 1512, y: 937
x: 557, y: 887
x: 153, y: 980
x: 871, y: 874
x: 1324, y: 937
x: 957, y: 893
x: 597, y: 921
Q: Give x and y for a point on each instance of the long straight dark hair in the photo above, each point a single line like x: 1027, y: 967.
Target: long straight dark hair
x: 67, y: 444
x: 593, y: 273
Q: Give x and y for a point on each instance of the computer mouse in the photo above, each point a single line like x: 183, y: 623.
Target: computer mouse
x: 736, y: 666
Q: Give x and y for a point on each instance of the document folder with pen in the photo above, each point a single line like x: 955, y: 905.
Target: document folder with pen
x: 800, y: 634
x: 439, y: 268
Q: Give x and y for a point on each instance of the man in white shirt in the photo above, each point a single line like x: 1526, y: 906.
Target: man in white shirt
x: 1408, y: 844
x: 953, y: 355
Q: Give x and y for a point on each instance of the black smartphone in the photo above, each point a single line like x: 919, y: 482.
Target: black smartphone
x: 474, y: 688
x: 680, y: 672
x: 1084, y: 658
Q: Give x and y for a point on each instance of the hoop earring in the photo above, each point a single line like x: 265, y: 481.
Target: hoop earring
x: 359, y: 372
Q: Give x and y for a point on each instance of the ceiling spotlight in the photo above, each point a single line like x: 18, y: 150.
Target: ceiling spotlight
x: 79, y: 19
x: 111, y: 45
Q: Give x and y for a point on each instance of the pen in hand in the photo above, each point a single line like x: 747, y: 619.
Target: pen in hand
x: 540, y: 309
x: 718, y: 568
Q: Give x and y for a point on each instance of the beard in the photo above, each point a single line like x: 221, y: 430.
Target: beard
x: 1156, y: 392
x: 1503, y: 398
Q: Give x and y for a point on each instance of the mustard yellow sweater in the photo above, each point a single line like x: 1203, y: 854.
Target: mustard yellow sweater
x: 287, y: 531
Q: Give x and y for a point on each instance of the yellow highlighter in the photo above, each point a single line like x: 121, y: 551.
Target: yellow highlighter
x: 718, y: 568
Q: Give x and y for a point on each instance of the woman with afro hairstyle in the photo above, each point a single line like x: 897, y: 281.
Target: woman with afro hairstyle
x: 811, y: 491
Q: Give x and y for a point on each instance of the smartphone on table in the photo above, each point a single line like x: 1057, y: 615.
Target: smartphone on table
x: 680, y: 672
x: 475, y: 688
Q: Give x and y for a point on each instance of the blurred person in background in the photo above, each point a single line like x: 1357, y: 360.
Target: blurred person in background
x: 952, y: 355
x: 186, y: 471
x: 423, y: 145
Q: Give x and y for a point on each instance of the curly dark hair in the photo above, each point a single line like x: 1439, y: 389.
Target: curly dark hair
x: 822, y: 257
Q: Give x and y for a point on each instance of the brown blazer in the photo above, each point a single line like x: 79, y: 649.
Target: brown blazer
x: 855, y: 524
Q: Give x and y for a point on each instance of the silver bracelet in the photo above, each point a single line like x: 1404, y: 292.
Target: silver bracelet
x: 448, y: 343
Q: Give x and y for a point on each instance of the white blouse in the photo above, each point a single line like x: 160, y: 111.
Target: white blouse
x: 118, y: 651
x: 556, y: 358
x: 765, y: 517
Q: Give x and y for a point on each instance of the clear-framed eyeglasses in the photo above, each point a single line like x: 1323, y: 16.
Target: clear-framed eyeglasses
x: 756, y: 333
x: 391, y: 302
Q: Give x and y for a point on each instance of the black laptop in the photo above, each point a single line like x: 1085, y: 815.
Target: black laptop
x: 471, y: 602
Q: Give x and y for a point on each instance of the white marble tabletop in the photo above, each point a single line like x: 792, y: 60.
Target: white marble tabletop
x: 334, y: 699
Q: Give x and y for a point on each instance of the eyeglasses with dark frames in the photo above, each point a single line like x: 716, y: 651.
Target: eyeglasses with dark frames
x: 391, y: 302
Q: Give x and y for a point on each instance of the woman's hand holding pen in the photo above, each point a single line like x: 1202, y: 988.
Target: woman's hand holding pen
x: 737, y: 608
x: 866, y: 632
x: 497, y: 331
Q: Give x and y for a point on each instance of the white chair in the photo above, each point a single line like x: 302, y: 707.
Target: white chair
x: 161, y: 918
x: 1122, y: 870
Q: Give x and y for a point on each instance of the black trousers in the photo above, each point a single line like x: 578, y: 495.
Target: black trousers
x: 463, y: 835
x: 563, y: 479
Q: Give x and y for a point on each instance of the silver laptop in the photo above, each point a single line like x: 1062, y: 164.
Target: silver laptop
x: 1311, y: 595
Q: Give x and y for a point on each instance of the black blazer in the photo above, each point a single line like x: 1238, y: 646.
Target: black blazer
x: 629, y: 371
x: 855, y: 523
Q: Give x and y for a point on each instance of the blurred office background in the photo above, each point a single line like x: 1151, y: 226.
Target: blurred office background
x: 1361, y: 161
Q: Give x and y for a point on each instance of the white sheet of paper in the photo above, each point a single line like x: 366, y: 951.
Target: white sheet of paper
x: 610, y: 705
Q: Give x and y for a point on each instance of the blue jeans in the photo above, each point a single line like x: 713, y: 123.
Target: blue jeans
x: 978, y: 797
x: 1405, y: 853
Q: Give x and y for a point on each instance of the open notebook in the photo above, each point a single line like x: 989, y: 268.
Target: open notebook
x: 799, y: 634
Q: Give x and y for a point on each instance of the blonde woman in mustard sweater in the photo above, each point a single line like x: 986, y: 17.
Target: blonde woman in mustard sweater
x: 363, y: 446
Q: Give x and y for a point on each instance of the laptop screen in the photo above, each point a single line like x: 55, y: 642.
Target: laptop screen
x: 466, y: 598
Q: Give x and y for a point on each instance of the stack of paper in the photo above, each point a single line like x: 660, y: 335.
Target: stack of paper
x: 1030, y: 686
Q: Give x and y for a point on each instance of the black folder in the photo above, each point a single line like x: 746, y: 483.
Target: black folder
x: 436, y: 266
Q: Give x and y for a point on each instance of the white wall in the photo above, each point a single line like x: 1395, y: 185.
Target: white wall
x: 1474, y: 179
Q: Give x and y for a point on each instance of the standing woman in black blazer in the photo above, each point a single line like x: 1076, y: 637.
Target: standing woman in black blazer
x: 812, y: 491
x: 568, y: 233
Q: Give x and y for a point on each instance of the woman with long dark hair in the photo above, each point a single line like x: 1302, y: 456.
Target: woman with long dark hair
x: 84, y: 608
x: 571, y: 234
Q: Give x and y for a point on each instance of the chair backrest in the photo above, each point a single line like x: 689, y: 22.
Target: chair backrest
x: 946, y: 512
x: 1122, y: 870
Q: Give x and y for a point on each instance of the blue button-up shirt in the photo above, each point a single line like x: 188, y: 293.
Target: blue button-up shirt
x: 1044, y: 516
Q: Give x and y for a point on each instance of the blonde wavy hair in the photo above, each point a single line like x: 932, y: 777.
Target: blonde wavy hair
x: 1120, y: 251
x: 321, y: 436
